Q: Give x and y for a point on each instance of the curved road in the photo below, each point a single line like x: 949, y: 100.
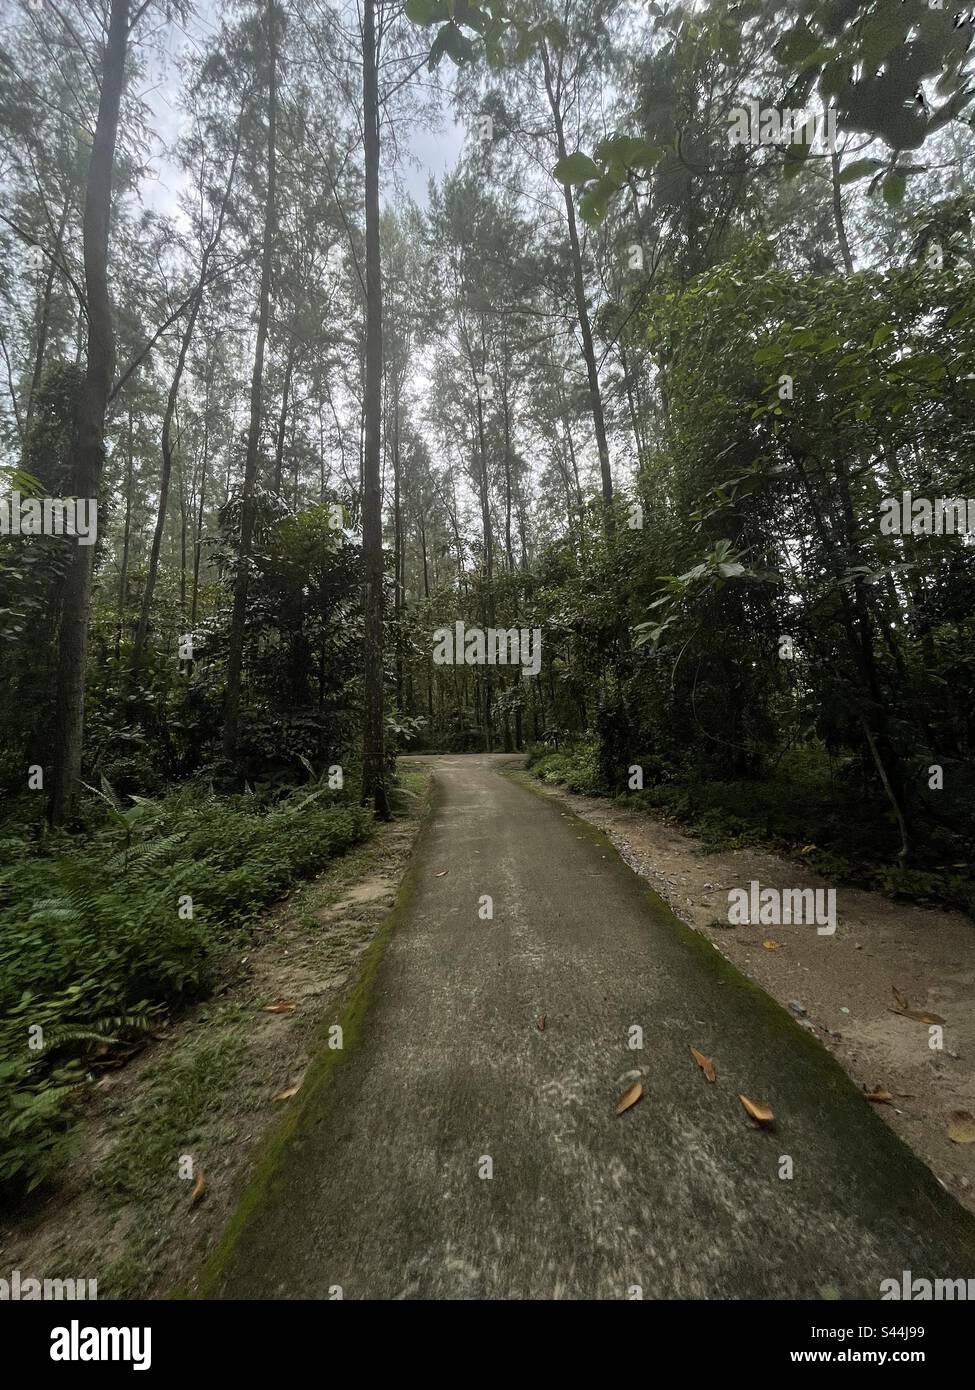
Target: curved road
x: 383, y: 1188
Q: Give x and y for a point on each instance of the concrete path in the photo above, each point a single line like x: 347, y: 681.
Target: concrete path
x: 380, y: 1190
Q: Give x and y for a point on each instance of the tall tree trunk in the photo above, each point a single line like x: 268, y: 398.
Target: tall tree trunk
x: 201, y: 503
x: 183, y: 510
x: 44, y: 319
x: 399, y: 556
x: 123, y: 581
x: 289, y: 367
x: 579, y: 286
x: 235, y: 654
x: 508, y: 489
x: 171, y: 402
x: 488, y: 534
x: 165, y: 476
x: 127, y: 535
x: 90, y: 455
x: 373, y: 751
x: 838, y: 222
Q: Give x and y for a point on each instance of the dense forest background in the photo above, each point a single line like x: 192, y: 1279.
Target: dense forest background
x: 612, y: 376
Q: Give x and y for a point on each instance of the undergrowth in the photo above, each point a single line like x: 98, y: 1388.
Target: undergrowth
x: 801, y: 810
x: 101, y: 936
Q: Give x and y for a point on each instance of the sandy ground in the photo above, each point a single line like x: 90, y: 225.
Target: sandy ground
x: 844, y: 983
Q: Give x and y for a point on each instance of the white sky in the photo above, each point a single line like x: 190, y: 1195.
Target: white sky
x: 429, y: 153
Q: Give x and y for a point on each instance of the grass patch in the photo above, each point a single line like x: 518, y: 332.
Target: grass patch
x: 185, y: 1092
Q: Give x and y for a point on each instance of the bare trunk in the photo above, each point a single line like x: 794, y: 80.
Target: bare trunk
x: 90, y: 456
x: 838, y: 222
x: 43, y: 320
x: 373, y: 751
x: 235, y: 655
x: 123, y: 582
x: 579, y: 286
x: 283, y: 417
x: 171, y: 403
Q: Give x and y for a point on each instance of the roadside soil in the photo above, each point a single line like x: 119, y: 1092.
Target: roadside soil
x: 144, y: 1232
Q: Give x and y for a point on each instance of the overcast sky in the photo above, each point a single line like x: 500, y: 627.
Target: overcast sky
x: 430, y: 153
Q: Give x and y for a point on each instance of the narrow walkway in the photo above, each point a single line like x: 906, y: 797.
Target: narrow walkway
x: 380, y: 1191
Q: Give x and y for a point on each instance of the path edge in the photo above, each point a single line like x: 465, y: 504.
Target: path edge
x: 929, y: 1186
x: 317, y: 1080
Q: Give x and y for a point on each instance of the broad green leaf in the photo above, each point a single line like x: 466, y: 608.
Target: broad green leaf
x: 576, y: 168
x: 860, y: 169
x: 894, y: 186
x: 795, y: 158
x: 797, y: 45
x: 593, y: 205
x: 450, y: 41
x: 426, y: 11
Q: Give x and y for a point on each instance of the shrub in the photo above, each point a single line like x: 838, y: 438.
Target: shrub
x: 93, y: 947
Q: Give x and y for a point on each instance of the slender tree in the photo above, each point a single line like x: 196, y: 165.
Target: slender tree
x: 373, y: 755
x: 97, y: 386
x: 247, y: 518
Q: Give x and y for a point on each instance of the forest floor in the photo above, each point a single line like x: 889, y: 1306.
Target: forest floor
x: 469, y: 1144
x: 843, y: 988
x: 215, y: 1085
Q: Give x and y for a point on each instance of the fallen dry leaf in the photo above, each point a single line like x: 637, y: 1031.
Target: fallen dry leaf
x: 441, y: 873
x: 629, y: 1097
x: 901, y: 1000
x: 705, y: 1063
x: 879, y: 1096
x: 961, y: 1127
x: 761, y: 1114
x: 771, y: 945
x: 541, y: 1024
x: 918, y: 1015
x: 286, y: 1095
x: 199, y: 1187
x: 282, y: 1008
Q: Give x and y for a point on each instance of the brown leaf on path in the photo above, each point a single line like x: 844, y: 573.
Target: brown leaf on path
x: 199, y: 1187
x: 705, y: 1063
x: 285, y: 1007
x: 629, y: 1097
x: 761, y: 1114
x: 771, y: 945
x: 286, y: 1095
x: 901, y: 1000
x: 541, y: 1024
x: 879, y: 1096
x: 961, y: 1127
x: 918, y: 1015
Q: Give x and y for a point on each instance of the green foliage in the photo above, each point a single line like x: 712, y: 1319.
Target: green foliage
x: 166, y: 1123
x: 575, y: 767
x: 93, y: 947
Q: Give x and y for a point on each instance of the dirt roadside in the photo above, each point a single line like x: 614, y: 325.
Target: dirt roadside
x: 843, y: 984
x: 130, y: 1212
